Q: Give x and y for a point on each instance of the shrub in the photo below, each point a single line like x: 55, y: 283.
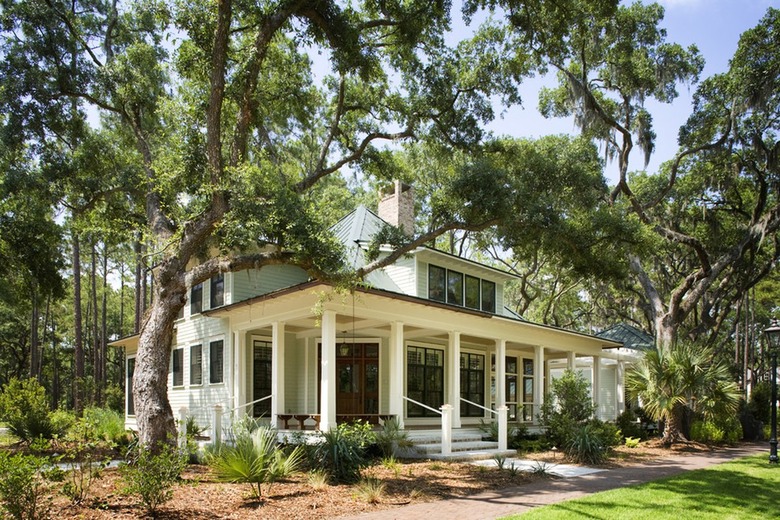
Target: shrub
x: 568, y: 406
x: 630, y: 424
x: 761, y: 401
x: 632, y: 442
x: 100, y: 425
x: 152, y: 475
x: 370, y: 490
x: 85, y: 469
x: 342, y: 452
x: 255, y: 459
x: 707, y: 432
x: 22, y: 488
x: 25, y: 410
x: 586, y: 445
x: 392, y: 437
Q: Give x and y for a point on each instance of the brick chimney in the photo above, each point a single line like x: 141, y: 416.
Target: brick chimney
x: 396, y: 207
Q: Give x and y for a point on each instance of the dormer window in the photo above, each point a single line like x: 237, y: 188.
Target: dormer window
x: 455, y: 288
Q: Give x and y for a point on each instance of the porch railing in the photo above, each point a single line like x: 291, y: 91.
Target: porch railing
x: 446, y: 423
x: 502, y: 412
x: 216, y: 420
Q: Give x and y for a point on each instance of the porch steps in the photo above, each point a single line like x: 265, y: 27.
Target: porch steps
x: 466, y: 445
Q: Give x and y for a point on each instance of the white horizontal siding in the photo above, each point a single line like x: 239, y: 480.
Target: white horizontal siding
x: 402, y: 273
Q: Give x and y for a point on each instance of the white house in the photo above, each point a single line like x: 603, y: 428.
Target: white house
x: 429, y: 331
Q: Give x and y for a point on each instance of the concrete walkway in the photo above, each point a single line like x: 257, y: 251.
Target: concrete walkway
x: 513, y: 500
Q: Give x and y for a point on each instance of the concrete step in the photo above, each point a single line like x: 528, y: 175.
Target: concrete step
x: 427, y: 449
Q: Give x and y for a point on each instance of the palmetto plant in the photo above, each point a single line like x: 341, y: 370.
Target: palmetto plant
x: 255, y: 459
x: 683, y: 376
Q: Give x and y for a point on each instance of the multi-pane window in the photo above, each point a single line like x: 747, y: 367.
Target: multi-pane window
x: 261, y: 386
x: 178, y: 366
x: 216, y: 361
x: 196, y: 299
x: 196, y: 365
x: 217, y: 298
x: 510, y: 385
x: 437, y: 281
x: 129, y: 386
x: 528, y: 390
x: 455, y: 288
x: 472, y: 384
x: 425, y: 380
x: 472, y: 292
x: 488, y: 296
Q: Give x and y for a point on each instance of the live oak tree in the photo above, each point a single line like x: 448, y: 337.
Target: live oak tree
x: 711, y: 215
x: 233, y: 130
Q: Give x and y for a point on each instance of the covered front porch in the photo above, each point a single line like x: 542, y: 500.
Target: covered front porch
x: 309, y: 358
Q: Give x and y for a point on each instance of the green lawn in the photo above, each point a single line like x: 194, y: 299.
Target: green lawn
x: 745, y: 488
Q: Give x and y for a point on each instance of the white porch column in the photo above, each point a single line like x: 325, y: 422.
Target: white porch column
x: 396, y: 402
x: 277, y: 371
x: 239, y: 373
x: 328, y: 381
x: 500, y: 373
x: 571, y: 361
x: 596, y: 387
x: 538, y: 380
x: 620, y: 379
x: 453, y: 377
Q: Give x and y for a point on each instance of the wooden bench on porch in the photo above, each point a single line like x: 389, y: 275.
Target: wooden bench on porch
x: 301, y: 419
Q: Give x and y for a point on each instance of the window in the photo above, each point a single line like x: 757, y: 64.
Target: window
x: 436, y: 282
x: 510, y: 386
x: 488, y: 296
x: 424, y: 380
x: 216, y: 361
x: 472, y: 384
x: 261, y: 386
x: 196, y: 299
x: 129, y: 386
x: 196, y: 365
x: 217, y: 291
x: 454, y: 287
x: 178, y: 367
x: 528, y: 390
x: 472, y: 292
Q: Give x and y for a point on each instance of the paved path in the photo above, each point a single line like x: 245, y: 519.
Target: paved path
x: 513, y: 500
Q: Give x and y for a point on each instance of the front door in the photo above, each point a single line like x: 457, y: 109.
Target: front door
x: 357, y: 379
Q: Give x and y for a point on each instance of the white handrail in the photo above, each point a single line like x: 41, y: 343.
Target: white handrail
x: 479, y: 406
x: 418, y: 403
x: 231, y: 410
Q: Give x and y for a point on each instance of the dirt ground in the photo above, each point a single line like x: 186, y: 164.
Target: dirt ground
x: 199, y: 495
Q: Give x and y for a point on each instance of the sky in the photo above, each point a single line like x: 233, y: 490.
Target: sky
x: 714, y: 26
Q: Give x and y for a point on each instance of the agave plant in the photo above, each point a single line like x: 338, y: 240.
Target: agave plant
x: 255, y: 459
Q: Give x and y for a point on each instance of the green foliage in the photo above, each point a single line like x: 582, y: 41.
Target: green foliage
x: 685, y: 376
x: 152, y: 475
x: 586, y: 444
x: 101, y: 425
x: 342, y: 451
x: 760, y: 401
x: 370, y: 490
x: 22, y: 486
x: 630, y: 425
x: 632, y: 442
x: 728, y: 430
x: 568, y: 406
x: 85, y: 467
x: 25, y: 409
x: 255, y: 459
x: 391, y: 437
